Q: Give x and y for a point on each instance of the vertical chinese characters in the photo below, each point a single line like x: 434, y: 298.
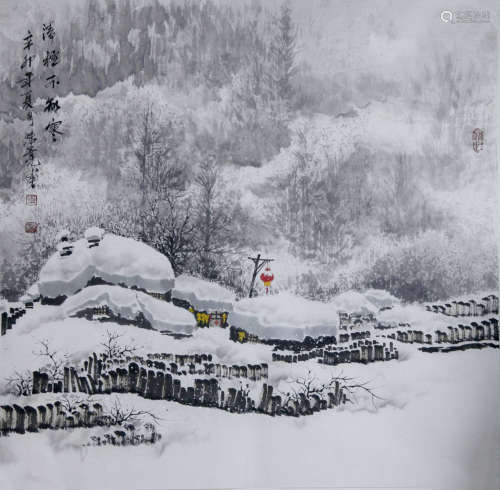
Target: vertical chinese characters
x: 50, y: 60
x: 26, y: 84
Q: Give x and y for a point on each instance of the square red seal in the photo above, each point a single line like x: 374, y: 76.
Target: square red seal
x: 477, y: 140
x: 31, y: 199
x: 30, y: 227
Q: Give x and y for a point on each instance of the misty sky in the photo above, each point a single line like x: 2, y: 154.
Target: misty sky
x: 387, y: 37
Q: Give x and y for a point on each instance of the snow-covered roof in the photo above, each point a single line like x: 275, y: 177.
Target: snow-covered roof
x: 128, y: 303
x: 381, y: 298
x: 63, y: 234
x: 64, y: 245
x: 33, y: 291
x: 94, y: 233
x: 117, y: 260
x: 203, y: 294
x: 284, y: 316
x: 353, y: 301
x: 287, y: 316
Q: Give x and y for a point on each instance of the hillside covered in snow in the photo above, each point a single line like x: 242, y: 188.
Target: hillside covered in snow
x: 248, y: 244
x: 98, y: 370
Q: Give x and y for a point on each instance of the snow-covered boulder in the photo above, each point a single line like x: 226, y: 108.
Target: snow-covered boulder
x: 117, y: 260
x: 285, y: 316
x: 127, y: 303
x: 203, y: 294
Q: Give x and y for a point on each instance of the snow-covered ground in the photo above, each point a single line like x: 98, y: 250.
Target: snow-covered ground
x: 435, y: 424
x: 78, y: 337
x: 438, y: 429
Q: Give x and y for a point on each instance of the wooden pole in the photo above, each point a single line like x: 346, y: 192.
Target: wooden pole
x: 254, y: 275
x: 258, y: 265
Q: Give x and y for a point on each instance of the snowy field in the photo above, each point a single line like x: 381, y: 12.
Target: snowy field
x: 439, y: 431
x: 432, y: 424
x: 436, y: 426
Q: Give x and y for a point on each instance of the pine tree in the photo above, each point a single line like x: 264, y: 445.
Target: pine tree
x: 282, y: 58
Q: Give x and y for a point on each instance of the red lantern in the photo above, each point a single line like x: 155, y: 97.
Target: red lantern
x: 267, y: 277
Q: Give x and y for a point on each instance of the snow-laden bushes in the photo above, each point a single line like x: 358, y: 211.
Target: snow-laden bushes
x: 436, y: 265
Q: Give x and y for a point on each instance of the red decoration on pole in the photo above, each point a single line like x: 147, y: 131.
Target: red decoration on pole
x: 267, y: 277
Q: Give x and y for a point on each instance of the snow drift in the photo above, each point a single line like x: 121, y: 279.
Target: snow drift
x: 128, y: 303
x: 203, y: 294
x: 116, y: 260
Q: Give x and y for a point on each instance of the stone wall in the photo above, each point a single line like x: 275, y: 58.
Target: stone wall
x: 486, y: 306
x: 10, y: 318
x: 362, y: 351
x: 191, y: 379
x: 28, y: 418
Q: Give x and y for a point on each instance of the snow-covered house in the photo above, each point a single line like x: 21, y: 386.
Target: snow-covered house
x: 116, y: 260
x: 120, y: 304
x: 210, y: 302
x: 63, y: 236
x: 26, y: 300
x: 94, y: 236
x: 284, y: 316
x: 112, y: 278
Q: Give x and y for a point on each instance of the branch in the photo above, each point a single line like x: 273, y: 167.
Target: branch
x: 55, y: 363
x: 120, y: 415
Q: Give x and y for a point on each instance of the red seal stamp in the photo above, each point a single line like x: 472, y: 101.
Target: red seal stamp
x: 477, y: 140
x: 31, y: 199
x: 30, y: 227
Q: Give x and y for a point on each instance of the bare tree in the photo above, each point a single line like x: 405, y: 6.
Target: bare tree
x: 113, y: 347
x: 71, y: 403
x: 119, y: 415
x: 145, y: 136
x: 55, y: 361
x: 309, y: 385
x: 212, y: 217
x: 165, y: 212
x: 175, y: 231
x: 20, y: 383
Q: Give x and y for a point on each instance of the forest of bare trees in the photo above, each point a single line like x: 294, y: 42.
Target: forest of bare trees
x: 169, y: 95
